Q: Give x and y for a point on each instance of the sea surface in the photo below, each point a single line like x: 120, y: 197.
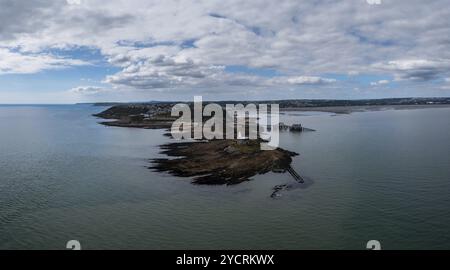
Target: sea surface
x: 369, y: 176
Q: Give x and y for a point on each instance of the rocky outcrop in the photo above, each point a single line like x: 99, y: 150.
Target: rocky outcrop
x: 220, y: 162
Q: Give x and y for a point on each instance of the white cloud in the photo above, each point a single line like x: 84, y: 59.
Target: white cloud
x: 310, y: 80
x: 373, y: 2
x: 303, y: 80
x: 186, y: 44
x: 86, y: 90
x: 417, y: 69
x: 17, y: 63
x: 74, y: 2
x: 381, y: 82
x: 162, y: 72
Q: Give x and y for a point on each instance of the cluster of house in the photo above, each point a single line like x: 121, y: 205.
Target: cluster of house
x: 154, y: 112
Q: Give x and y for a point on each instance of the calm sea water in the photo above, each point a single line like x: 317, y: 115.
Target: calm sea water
x: 374, y: 175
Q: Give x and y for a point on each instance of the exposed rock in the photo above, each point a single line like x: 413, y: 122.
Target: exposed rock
x: 212, y: 163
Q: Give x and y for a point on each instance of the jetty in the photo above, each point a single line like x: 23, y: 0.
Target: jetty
x: 294, y: 174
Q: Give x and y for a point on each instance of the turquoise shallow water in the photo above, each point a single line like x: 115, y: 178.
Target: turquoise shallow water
x: 373, y: 175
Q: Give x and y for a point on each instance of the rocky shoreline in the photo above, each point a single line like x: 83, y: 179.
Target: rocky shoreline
x: 221, y: 162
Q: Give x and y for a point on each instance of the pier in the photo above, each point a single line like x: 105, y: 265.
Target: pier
x: 294, y: 174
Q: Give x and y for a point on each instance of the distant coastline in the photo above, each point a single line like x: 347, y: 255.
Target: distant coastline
x: 129, y: 114
x: 307, y: 103
x: 367, y: 108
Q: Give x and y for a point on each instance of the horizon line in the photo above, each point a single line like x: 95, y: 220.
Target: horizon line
x: 169, y: 101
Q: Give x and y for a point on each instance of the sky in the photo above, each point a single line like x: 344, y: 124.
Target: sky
x: 69, y: 51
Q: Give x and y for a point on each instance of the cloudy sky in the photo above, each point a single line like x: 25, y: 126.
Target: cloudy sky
x: 65, y: 51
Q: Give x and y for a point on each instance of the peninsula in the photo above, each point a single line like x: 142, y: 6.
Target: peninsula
x: 209, y: 162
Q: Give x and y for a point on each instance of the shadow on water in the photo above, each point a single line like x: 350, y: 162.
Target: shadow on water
x: 279, y: 190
